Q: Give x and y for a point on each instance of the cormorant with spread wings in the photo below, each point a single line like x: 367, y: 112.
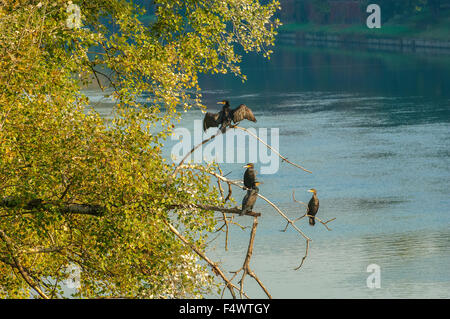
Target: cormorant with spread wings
x: 227, y: 115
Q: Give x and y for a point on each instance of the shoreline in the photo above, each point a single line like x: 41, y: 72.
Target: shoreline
x: 399, y: 44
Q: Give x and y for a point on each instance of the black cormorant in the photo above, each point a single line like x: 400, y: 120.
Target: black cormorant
x: 227, y: 115
x: 249, y: 200
x: 249, y: 176
x: 313, y: 206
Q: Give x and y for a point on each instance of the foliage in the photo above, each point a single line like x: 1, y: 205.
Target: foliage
x: 55, y: 151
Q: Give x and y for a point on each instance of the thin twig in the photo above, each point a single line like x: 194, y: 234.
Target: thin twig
x: 18, y: 265
x: 215, y: 267
x: 246, y: 266
x: 321, y: 221
x: 194, y: 148
x: 297, y: 201
x: 234, y: 210
x: 304, y: 257
x: 225, y: 220
x: 230, y: 191
x: 271, y: 148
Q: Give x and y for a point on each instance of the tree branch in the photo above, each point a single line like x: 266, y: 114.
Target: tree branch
x: 215, y: 267
x: 34, y: 205
x: 18, y: 265
x: 234, y: 210
x: 279, y: 211
x: 194, y: 148
x: 271, y: 148
x: 304, y: 257
x: 246, y: 266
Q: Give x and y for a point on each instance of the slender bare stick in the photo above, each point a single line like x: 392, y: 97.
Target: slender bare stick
x: 194, y: 148
x: 304, y: 257
x: 226, y: 230
x: 287, y: 224
x: 297, y: 201
x: 229, y: 187
x: 271, y: 148
x: 248, y: 132
x: 219, y: 184
x: 302, y: 203
x: 234, y: 210
x: 321, y: 221
x: 18, y: 265
x: 229, y: 193
x: 225, y: 220
x: 249, y: 255
x: 215, y: 267
x: 246, y: 266
x: 231, y: 221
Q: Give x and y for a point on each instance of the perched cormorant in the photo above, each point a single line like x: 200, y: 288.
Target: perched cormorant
x: 227, y: 115
x: 249, y: 176
x: 313, y: 206
x: 249, y: 199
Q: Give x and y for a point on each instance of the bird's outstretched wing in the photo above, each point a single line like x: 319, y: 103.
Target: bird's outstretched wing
x: 243, y: 112
x: 211, y: 120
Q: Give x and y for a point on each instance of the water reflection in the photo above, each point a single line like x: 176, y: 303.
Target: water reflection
x: 374, y: 129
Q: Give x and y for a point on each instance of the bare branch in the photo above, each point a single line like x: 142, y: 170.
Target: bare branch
x: 272, y: 149
x: 41, y: 250
x: 234, y: 210
x: 304, y: 257
x: 297, y: 201
x: 215, y: 267
x: 193, y: 150
x: 321, y: 221
x: 246, y: 266
x: 230, y: 191
x: 18, y: 265
x: 248, y: 132
x: 225, y: 220
x: 31, y: 207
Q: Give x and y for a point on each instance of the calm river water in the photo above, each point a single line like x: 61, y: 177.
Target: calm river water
x: 374, y: 130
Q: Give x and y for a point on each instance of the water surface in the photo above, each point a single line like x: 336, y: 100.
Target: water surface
x: 374, y: 130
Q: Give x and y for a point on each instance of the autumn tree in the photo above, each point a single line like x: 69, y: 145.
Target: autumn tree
x: 78, y: 189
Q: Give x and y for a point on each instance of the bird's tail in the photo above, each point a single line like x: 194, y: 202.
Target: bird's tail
x: 312, y: 221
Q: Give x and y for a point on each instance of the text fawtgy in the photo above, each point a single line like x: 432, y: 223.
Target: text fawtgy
x: 234, y: 308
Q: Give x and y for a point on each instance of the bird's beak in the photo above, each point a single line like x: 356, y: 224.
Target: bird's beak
x: 221, y: 102
x: 257, y: 183
x: 310, y: 190
x: 246, y: 166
